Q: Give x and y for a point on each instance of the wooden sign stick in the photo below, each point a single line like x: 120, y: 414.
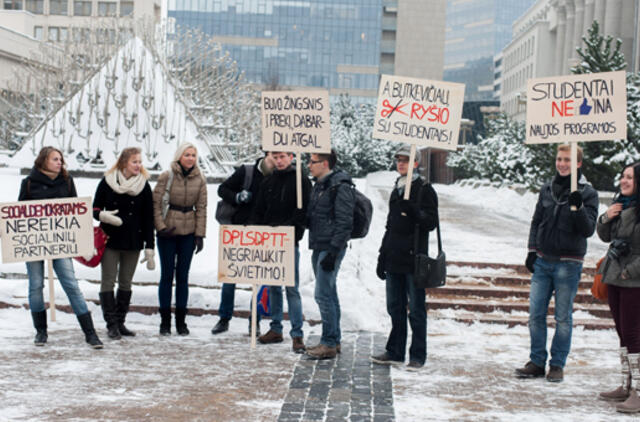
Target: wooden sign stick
x: 254, y: 312
x: 412, y: 159
x: 574, y: 170
x: 299, y: 180
x: 52, y: 292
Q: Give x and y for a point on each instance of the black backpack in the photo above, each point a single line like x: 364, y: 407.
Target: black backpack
x: 362, y: 212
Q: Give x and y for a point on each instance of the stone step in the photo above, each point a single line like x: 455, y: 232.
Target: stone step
x: 508, y: 280
x: 518, y: 268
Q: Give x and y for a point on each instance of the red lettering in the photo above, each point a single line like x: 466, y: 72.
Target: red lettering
x: 565, y: 108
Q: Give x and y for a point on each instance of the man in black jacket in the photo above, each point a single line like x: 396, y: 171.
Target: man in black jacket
x: 330, y: 219
x: 396, y: 263
x: 560, y: 226
x: 276, y: 205
x: 232, y: 191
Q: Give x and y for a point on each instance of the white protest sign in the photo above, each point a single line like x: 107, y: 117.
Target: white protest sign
x: 296, y: 121
x: 256, y: 255
x: 589, y: 107
x: 419, y: 111
x: 46, y: 229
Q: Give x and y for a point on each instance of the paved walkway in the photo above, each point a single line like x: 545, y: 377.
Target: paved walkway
x: 349, y: 387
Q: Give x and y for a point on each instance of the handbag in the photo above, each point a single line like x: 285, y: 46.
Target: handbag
x: 99, y: 245
x: 598, y: 288
x: 429, y: 272
x: 225, y: 210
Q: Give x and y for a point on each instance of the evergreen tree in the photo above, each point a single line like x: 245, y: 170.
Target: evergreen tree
x: 597, y: 55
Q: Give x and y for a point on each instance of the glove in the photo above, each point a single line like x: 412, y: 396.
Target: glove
x: 408, y: 208
x: 109, y: 217
x: 531, y: 259
x: 199, y: 243
x: 328, y: 263
x: 243, y: 197
x: 148, y: 258
x: 166, y: 232
x: 575, y: 199
x: 380, y: 268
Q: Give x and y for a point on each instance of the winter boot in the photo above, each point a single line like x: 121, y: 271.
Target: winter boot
x: 530, y: 370
x: 108, y: 304
x: 622, y: 392
x: 632, y: 403
x: 181, y: 326
x: 322, y: 352
x: 298, y: 345
x: 89, y: 333
x: 123, y: 299
x: 40, y: 324
x: 221, y: 326
x: 165, y: 323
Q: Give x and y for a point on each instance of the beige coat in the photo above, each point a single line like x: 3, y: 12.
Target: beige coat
x: 185, y: 192
x: 623, y: 227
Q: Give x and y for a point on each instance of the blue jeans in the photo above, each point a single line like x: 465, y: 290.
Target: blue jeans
x: 293, y: 301
x: 64, y: 270
x: 400, y: 292
x: 175, y: 257
x: 227, y: 297
x: 326, y: 295
x: 561, y: 277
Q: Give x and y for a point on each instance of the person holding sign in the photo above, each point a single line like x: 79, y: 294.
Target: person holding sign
x: 621, y: 273
x: 561, y: 224
x: 49, y: 179
x: 276, y: 205
x: 124, y: 206
x: 180, y: 215
x: 330, y: 220
x: 396, y: 263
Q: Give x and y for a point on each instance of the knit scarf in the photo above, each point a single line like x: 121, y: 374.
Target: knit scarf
x: 50, y: 174
x: 120, y: 184
x: 627, y: 201
x: 402, y: 181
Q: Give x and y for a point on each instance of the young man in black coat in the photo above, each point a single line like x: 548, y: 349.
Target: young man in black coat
x: 396, y: 264
x: 276, y: 205
x: 232, y: 191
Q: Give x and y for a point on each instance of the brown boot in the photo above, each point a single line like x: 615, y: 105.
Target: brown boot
x: 270, y: 337
x: 338, y: 349
x: 632, y: 403
x: 298, y: 345
x: 622, y: 392
x: 322, y: 352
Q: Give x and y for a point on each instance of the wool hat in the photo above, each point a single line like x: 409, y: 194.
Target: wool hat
x: 405, y: 151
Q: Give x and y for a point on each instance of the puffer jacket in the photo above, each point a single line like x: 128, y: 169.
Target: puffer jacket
x: 189, y: 191
x: 330, y: 213
x: 623, y: 227
x: 38, y: 185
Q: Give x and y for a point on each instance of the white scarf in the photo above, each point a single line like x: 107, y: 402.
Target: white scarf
x: 402, y: 181
x: 120, y: 184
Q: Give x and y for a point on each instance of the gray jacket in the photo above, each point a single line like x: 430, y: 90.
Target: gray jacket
x: 622, y: 227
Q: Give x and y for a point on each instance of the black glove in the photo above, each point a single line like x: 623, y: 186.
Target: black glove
x: 575, y: 199
x: 328, y: 263
x: 380, y: 268
x: 410, y: 209
x: 243, y: 197
x: 531, y: 259
x: 166, y: 233
x: 199, y: 243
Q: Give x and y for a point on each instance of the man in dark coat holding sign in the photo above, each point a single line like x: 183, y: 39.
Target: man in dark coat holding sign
x: 561, y: 224
x: 396, y: 264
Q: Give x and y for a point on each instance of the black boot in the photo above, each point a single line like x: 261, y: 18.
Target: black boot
x: 165, y: 323
x: 181, y: 326
x: 108, y: 304
x: 221, y: 326
x: 89, y: 333
x: 123, y: 298
x: 40, y: 323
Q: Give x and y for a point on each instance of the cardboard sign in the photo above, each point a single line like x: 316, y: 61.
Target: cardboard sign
x: 46, y: 229
x: 296, y: 121
x: 256, y: 255
x: 589, y: 107
x: 418, y: 111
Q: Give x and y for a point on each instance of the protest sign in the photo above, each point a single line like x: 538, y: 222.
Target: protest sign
x: 46, y: 229
x: 589, y: 107
x: 419, y: 112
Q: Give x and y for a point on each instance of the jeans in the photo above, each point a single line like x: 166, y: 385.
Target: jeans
x: 326, y: 295
x: 64, y: 270
x: 227, y: 297
x: 561, y: 277
x: 175, y: 257
x: 400, y: 290
x: 293, y: 301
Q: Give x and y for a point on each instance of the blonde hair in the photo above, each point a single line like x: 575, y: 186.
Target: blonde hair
x: 181, y: 149
x: 567, y: 148
x: 123, y: 160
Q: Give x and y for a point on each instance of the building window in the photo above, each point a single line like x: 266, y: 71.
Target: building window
x: 58, y: 7
x: 82, y: 8
x: 107, y: 8
x: 37, y: 33
x: 13, y: 4
x: 53, y: 33
x: 35, y: 6
x: 126, y: 8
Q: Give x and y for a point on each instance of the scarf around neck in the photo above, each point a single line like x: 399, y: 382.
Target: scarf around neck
x: 50, y: 174
x: 120, y: 184
x: 402, y: 181
x: 627, y: 201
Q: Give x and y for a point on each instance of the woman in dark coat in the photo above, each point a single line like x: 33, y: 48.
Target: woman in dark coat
x: 48, y: 180
x: 124, y: 206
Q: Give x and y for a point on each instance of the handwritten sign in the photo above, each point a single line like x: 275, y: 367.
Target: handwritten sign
x: 296, y: 121
x: 256, y: 255
x: 589, y: 107
x: 418, y: 111
x: 46, y: 229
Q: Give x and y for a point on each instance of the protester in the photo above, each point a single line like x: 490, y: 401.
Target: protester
x: 396, y: 263
x: 276, y: 205
x: 330, y: 221
x: 561, y: 224
x: 49, y: 179
x: 621, y: 273
x: 232, y: 190
x: 180, y: 215
x: 124, y: 206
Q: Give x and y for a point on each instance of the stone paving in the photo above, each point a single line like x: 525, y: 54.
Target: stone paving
x: 349, y: 387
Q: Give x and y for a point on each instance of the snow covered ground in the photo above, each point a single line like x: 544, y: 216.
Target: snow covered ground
x: 468, y: 375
